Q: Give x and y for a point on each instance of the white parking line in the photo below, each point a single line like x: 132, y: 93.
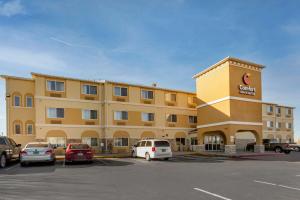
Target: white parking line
x: 298, y: 175
x: 278, y: 185
x: 264, y: 182
x: 212, y: 194
x: 9, y: 168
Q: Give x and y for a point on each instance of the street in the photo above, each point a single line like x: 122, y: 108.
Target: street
x: 191, y: 177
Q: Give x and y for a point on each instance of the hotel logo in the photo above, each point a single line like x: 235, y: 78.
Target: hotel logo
x: 247, y: 90
x: 246, y: 78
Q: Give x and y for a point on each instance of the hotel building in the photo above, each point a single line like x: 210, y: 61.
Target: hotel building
x: 225, y: 112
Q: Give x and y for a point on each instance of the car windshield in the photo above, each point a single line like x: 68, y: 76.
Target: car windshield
x: 79, y: 146
x: 161, y: 144
x: 37, y: 145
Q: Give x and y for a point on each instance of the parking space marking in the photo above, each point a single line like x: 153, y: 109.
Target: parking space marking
x: 212, y: 194
x: 278, y: 185
x: 264, y: 182
x: 9, y: 168
x: 298, y: 175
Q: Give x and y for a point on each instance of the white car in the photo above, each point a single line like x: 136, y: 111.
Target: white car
x: 37, y: 152
x: 151, y: 149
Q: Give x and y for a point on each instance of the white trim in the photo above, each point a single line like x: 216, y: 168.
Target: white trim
x: 229, y: 98
x: 68, y: 99
x: 69, y: 126
x: 230, y: 122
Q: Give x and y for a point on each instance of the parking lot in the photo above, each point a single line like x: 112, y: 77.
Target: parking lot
x: 192, y: 177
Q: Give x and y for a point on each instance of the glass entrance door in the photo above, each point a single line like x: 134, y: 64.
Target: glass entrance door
x: 214, y: 143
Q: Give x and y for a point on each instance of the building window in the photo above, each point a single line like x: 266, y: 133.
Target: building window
x: 278, y: 110
x: 148, y: 117
x: 270, y: 124
x: 29, y: 129
x: 93, y: 142
x: 89, y: 89
x: 171, y: 97
x: 288, y: 111
x: 17, y: 100
x: 121, y: 142
x: 171, y: 118
x: 120, y: 91
x: 120, y: 115
x: 288, y: 125
x: 194, y: 141
x: 147, y: 94
x: 57, y: 141
x: 269, y: 108
x: 278, y: 125
x: 29, y: 101
x: 56, y: 113
x: 89, y: 114
x: 17, y: 129
x: 56, y: 86
x: 193, y: 119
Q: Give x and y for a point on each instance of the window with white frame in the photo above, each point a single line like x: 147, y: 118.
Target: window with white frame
x: 278, y: 125
x: 120, y: 142
x: 147, y: 94
x: 171, y: 118
x: 89, y: 89
x: 93, y: 142
x: 17, y: 100
x: 148, y: 117
x: 270, y: 124
x: 57, y: 141
x: 288, y: 125
x: 56, y: 113
x: 120, y: 91
x: 192, y: 119
x: 57, y: 86
x: 29, y: 129
x: 89, y: 114
x: 269, y: 108
x: 120, y: 115
x: 29, y: 101
x: 288, y: 111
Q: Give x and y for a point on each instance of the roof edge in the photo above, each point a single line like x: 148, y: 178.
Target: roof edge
x: 15, y: 77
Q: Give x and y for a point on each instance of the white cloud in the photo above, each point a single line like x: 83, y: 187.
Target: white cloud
x: 292, y: 28
x: 11, y: 8
x: 30, y: 58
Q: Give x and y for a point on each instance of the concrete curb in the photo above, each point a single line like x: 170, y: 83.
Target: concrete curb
x: 237, y: 155
x: 98, y: 157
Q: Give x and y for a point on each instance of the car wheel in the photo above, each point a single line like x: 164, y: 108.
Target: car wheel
x: 287, y: 152
x: 147, y: 156
x: 278, y: 150
x: 297, y: 149
x: 166, y: 158
x: 133, y: 154
x: 23, y: 164
x: 3, y: 161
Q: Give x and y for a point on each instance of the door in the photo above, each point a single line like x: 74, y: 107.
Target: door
x: 214, y: 143
x: 15, y: 149
x: 180, y: 143
x: 141, y: 149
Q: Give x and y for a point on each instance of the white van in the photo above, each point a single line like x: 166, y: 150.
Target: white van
x: 151, y: 149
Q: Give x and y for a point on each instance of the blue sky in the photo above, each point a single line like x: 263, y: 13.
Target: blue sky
x: 144, y: 41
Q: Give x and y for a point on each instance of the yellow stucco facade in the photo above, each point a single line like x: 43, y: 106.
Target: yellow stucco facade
x: 112, y: 116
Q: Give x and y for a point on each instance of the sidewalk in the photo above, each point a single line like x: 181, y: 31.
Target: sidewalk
x: 238, y: 154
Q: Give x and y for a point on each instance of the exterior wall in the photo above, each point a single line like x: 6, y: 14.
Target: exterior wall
x: 282, y: 134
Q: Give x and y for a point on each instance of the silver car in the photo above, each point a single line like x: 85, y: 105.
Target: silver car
x: 37, y: 152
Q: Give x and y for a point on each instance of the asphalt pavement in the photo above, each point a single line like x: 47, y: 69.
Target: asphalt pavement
x: 183, y: 177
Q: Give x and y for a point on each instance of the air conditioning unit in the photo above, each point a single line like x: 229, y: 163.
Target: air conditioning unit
x: 90, y: 123
x: 171, y: 125
x: 55, y: 122
x: 89, y: 98
x: 55, y: 95
x: 121, y: 123
x: 120, y: 99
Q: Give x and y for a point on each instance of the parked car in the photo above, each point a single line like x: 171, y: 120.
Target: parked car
x: 271, y: 145
x: 9, y: 151
x: 78, y: 152
x: 295, y: 147
x: 37, y: 152
x: 152, y: 149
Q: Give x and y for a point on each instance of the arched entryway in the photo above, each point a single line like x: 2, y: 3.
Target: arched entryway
x: 180, y: 139
x: 57, y: 138
x: 147, y: 135
x: 214, y: 141
x: 243, y: 138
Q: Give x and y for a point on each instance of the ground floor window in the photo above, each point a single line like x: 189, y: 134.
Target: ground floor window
x: 57, y: 141
x: 214, y: 143
x: 93, y: 142
x: 194, y: 141
x: 180, y: 141
x: 121, y: 142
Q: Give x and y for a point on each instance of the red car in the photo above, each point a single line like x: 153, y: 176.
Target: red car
x: 78, y: 152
